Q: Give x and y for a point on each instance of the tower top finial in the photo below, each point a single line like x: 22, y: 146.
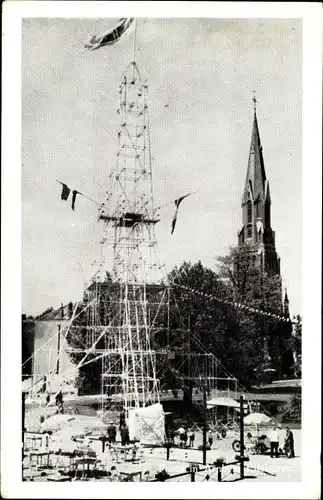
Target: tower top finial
x: 254, y: 100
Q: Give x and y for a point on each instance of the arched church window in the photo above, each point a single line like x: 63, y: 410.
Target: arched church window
x: 249, y: 211
x: 249, y: 231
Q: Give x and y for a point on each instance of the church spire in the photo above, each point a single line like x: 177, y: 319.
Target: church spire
x: 254, y: 101
x: 256, y: 175
x: 256, y: 228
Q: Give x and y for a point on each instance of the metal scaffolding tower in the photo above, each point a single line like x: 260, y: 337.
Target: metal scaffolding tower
x: 136, y: 297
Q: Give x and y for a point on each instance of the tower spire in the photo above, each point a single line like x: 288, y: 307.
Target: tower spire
x: 256, y: 228
x: 254, y: 101
x: 256, y: 176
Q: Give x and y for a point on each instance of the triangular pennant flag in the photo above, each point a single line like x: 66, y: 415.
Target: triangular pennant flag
x: 112, y: 36
x: 65, y: 192
x: 73, y: 198
x: 177, y: 203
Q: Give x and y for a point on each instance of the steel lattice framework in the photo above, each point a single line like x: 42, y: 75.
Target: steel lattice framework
x: 136, y: 300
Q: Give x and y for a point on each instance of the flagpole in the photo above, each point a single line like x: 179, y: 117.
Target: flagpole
x: 134, y: 42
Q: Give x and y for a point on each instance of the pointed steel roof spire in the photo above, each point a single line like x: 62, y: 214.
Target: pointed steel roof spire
x: 256, y: 175
x: 254, y: 101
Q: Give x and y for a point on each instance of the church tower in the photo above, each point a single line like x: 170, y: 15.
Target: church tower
x: 256, y: 231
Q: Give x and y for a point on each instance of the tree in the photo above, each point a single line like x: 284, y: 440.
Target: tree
x: 296, y: 346
x: 220, y: 328
x: 195, y: 320
x: 250, y: 285
x: 247, y: 282
x: 47, y: 311
x: 292, y: 410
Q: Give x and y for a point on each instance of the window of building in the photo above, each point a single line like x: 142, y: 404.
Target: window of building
x: 249, y: 231
x: 249, y: 212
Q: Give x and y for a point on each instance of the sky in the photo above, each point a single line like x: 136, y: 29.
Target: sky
x: 205, y: 71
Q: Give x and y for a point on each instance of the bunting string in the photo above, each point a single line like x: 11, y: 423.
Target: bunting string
x: 237, y: 305
x: 66, y: 191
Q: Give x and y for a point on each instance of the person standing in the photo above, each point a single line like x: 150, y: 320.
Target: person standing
x: 124, y: 435
x: 210, y: 439
x: 181, y: 432
x: 192, y: 439
x: 289, y: 443
x: 185, y: 438
x: 274, y: 442
x: 112, y: 433
x: 122, y: 420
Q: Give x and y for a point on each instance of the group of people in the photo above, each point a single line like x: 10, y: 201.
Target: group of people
x: 123, y: 429
x: 288, y: 445
x: 186, y: 438
x: 183, y: 437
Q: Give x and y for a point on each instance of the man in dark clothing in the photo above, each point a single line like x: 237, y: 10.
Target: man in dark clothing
x: 112, y: 433
x: 289, y: 443
x: 124, y: 435
x: 192, y: 438
x: 122, y: 420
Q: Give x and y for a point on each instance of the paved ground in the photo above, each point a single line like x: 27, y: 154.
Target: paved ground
x: 259, y: 468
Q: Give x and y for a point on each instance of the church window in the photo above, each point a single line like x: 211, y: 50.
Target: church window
x: 249, y: 231
x: 249, y: 211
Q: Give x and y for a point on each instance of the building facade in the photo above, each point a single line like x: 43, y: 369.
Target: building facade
x: 43, y: 348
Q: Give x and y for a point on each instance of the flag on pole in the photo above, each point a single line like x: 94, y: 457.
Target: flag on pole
x: 74, y: 198
x: 112, y: 36
x: 177, y: 203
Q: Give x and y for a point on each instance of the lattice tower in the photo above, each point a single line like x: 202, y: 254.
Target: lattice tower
x: 134, y: 305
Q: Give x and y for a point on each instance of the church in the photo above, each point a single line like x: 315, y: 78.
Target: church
x: 257, y: 236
